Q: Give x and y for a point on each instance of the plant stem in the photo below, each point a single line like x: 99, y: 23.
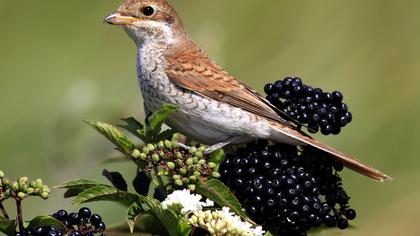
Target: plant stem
x: 161, y: 185
x: 19, y: 214
x: 3, y: 210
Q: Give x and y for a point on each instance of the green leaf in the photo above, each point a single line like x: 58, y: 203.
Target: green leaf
x: 113, y: 135
x: 8, y: 227
x: 75, y: 187
x: 156, y: 120
x: 133, y: 211
x: 145, y: 225
x: 105, y: 193
x: 217, y: 157
x: 174, y: 224
x: 268, y: 234
x: 216, y: 191
x: 133, y: 126
x: 47, y: 221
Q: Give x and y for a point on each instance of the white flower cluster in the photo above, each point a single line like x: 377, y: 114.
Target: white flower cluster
x: 223, y: 222
x: 217, y: 222
x: 186, y: 202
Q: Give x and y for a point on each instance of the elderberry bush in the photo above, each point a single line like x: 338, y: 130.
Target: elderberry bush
x: 287, y: 189
x: 312, y: 107
x: 82, y: 222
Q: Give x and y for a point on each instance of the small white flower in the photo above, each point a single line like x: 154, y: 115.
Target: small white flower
x: 189, y: 203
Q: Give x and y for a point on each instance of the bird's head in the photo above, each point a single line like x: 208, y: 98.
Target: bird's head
x: 148, y: 21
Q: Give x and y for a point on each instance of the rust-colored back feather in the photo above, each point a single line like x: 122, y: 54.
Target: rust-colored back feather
x: 190, y: 68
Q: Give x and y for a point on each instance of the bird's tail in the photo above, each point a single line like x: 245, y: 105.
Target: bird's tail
x: 281, y: 132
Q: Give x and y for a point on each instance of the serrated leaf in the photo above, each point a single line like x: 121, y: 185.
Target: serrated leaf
x: 216, y: 191
x: 114, y: 135
x: 133, y: 126
x: 133, y: 212
x: 47, y: 221
x: 154, y: 121
x: 174, y: 224
x: 141, y: 183
x: 105, y: 193
x: 8, y: 227
x: 116, y: 179
x: 75, y: 187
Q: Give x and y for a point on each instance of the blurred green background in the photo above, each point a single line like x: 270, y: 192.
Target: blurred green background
x: 59, y: 65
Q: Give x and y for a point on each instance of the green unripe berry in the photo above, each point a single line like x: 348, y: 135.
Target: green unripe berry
x: 178, y: 155
x: 143, y: 156
x: 212, y: 165
x: 182, y: 171
x: 44, y: 195
x: 168, y: 144
x: 195, y: 160
x: 189, y: 162
x: 175, y: 144
x: 151, y: 147
x: 179, y: 162
x: 199, y: 154
x: 146, y: 150
x: 162, y: 154
x: 193, y: 179
x: 191, y: 187
x: 179, y: 182
x: 197, y: 174
x: 15, y: 186
x: 201, y: 162
x: 202, y: 148
x: 5, y: 182
x: 39, y: 183
x: 136, y: 153
x: 176, y: 177
x: 192, y: 150
x: 215, y: 175
x: 161, y: 144
x: 23, y: 187
x: 185, y: 180
x: 21, y: 195
x: 1, y: 174
x: 171, y: 165
x: 155, y: 157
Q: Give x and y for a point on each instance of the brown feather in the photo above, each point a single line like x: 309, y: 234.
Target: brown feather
x: 190, y: 68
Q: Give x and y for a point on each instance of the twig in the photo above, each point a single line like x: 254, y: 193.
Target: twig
x: 3, y: 210
x: 19, y: 214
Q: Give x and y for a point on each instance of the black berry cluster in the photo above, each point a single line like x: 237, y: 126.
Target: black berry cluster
x: 41, y: 231
x: 82, y: 222
x: 287, y: 189
x: 318, y: 110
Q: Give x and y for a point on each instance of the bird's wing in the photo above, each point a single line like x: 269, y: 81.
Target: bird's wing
x: 193, y: 70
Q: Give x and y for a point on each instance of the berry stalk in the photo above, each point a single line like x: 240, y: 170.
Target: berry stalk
x: 19, y: 214
x: 3, y: 211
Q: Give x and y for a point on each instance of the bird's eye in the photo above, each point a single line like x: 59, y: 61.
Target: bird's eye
x: 148, y: 11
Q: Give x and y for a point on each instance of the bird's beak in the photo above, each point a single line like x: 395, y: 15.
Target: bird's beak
x: 119, y: 19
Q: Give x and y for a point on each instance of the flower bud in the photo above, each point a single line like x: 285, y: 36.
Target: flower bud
x: 136, y: 153
x: 179, y: 182
x: 7, y: 193
x: 155, y: 157
x: 168, y: 144
x: 179, y: 163
x: 5, y: 182
x: 39, y: 183
x: 171, y: 165
x: 195, y: 160
x: 191, y: 187
x: 192, y: 150
x: 185, y: 180
x: 44, y: 195
x: 199, y: 154
x: 193, y: 179
x: 182, y: 171
x: 176, y: 177
x: 143, y: 156
x: 202, y: 162
x: 1, y: 174
x: 215, y: 175
x: 161, y: 154
x: 29, y: 191
x: 15, y: 186
x: 212, y: 165
x: 175, y: 144
x: 189, y: 162
x: 197, y: 174
x: 178, y: 155
x: 161, y: 144
x: 151, y: 147
x: 21, y: 195
x: 145, y: 150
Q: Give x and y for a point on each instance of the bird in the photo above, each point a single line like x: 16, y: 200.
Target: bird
x: 215, y: 108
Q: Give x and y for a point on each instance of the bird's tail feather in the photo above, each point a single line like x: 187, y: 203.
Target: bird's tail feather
x: 280, y: 131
